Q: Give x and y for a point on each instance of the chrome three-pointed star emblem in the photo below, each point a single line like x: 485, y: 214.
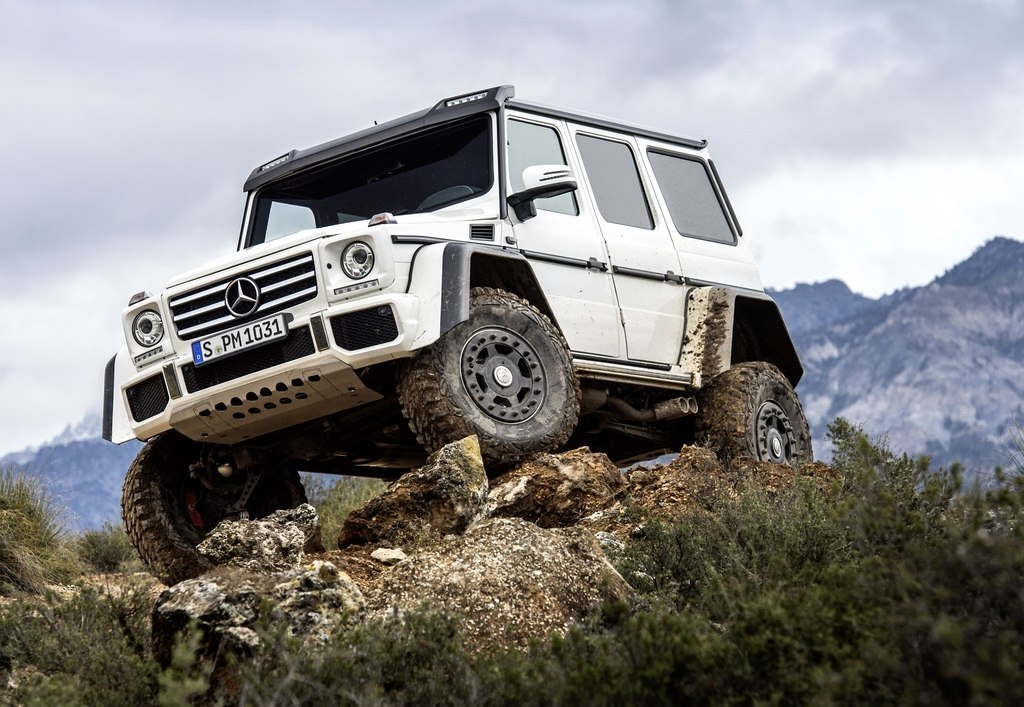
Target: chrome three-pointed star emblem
x: 242, y: 297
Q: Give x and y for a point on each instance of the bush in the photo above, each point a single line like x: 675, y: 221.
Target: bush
x: 895, y: 585
x: 335, y: 497
x: 32, y: 534
x: 89, y: 649
x: 106, y: 550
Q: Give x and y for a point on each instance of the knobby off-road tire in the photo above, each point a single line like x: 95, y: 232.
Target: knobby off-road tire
x: 504, y: 375
x: 155, y: 512
x: 752, y: 411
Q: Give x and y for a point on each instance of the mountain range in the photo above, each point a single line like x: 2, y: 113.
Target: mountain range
x: 935, y: 370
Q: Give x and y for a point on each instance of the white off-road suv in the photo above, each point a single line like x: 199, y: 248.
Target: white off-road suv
x: 487, y: 266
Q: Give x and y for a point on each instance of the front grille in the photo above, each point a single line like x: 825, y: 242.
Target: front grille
x: 147, y: 398
x: 298, y: 344
x: 365, y: 328
x: 281, y: 284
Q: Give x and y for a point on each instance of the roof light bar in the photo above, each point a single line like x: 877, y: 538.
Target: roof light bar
x: 465, y: 99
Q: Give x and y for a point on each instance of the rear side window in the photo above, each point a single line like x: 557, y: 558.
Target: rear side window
x: 692, y: 201
x: 615, y: 181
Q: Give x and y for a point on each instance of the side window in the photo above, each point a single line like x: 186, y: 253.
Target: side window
x: 530, y: 144
x: 615, y: 181
x: 692, y: 201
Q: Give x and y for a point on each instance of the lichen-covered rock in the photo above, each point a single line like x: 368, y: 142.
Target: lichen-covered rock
x: 443, y: 496
x: 217, y: 606
x: 270, y: 544
x: 556, y: 490
x: 314, y: 600
x: 508, y: 579
x: 310, y: 601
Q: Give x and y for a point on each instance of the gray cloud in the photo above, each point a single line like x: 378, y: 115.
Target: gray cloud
x: 128, y: 128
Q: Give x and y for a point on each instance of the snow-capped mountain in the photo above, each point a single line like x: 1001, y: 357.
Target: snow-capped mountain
x: 936, y: 370
x: 80, y: 471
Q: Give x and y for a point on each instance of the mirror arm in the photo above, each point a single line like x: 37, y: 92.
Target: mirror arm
x: 523, y: 205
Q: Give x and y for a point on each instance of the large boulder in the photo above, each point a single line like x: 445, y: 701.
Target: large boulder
x: 556, y: 490
x: 508, y: 579
x: 443, y: 496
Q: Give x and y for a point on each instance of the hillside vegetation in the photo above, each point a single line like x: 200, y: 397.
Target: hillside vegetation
x: 892, y: 584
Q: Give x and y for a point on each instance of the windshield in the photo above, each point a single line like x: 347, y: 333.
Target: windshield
x: 424, y: 172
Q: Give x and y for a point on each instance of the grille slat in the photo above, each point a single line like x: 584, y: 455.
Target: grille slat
x: 203, y: 311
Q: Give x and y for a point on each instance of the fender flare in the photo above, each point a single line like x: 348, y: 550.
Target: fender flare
x: 464, y: 266
x: 726, y: 326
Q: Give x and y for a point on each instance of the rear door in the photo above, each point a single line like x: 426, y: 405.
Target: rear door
x: 645, y: 265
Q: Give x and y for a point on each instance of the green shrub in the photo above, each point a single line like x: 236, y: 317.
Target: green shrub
x: 33, y: 552
x: 106, y: 550
x: 335, y: 497
x: 414, y: 659
x: 894, y: 586
x: 89, y: 649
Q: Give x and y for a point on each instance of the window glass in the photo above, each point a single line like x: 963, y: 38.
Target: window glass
x: 423, y: 172
x: 692, y: 202
x: 528, y: 145
x: 615, y: 181
x: 287, y: 218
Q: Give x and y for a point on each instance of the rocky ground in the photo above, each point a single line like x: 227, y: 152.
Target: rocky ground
x: 515, y: 557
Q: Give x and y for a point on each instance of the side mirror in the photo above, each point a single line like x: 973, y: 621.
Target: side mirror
x: 541, y: 181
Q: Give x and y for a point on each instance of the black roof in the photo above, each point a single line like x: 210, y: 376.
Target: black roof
x: 445, y: 110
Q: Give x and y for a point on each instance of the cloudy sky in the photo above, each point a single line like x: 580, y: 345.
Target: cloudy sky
x: 877, y: 142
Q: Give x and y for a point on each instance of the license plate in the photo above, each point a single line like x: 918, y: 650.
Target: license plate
x: 237, y: 340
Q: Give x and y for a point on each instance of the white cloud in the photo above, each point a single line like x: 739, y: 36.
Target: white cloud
x: 878, y: 224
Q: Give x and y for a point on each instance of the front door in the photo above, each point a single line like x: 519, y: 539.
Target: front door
x: 563, y: 245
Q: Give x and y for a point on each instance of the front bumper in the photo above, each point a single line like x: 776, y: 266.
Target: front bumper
x: 309, y: 374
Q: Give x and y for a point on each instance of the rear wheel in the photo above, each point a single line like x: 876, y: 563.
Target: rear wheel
x: 167, y: 513
x: 752, y: 411
x: 505, y: 375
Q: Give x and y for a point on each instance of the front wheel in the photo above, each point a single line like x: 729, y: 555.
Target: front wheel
x: 505, y: 375
x: 752, y: 411
x: 167, y: 513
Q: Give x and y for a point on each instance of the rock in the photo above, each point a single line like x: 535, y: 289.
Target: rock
x: 556, y: 490
x: 270, y: 544
x: 314, y: 600
x: 225, y: 604
x: 388, y: 556
x: 508, y: 579
x: 216, y: 606
x: 443, y: 496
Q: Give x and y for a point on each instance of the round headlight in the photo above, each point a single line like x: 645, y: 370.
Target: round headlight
x: 357, y: 260
x: 148, y: 328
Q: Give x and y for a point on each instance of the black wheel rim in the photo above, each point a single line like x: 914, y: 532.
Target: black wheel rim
x: 775, y: 439
x: 503, y: 375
